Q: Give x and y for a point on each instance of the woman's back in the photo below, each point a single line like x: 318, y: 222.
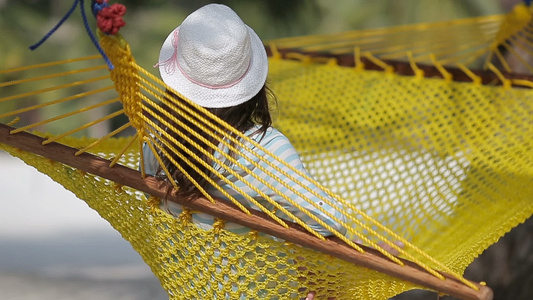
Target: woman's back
x: 245, y: 178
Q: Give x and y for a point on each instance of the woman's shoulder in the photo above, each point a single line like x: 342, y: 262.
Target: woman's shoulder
x: 270, y: 135
x: 274, y: 141
x: 271, y: 140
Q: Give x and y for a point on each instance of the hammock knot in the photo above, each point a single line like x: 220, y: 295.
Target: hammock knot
x: 506, y: 83
x: 274, y: 51
x: 118, y: 187
x: 521, y: 12
x: 153, y: 203
x: 81, y: 172
x: 253, y: 234
x: 416, y: 70
x: 218, y: 225
x: 185, y: 216
x: 51, y: 161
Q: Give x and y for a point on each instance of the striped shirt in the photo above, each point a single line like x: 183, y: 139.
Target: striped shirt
x: 277, y: 143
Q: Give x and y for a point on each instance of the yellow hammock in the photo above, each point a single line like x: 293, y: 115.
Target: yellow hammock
x: 443, y: 166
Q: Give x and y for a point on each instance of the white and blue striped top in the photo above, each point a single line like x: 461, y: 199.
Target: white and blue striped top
x: 277, y: 143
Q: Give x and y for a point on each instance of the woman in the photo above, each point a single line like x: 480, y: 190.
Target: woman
x: 218, y: 62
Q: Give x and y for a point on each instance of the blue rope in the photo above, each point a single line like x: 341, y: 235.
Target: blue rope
x: 97, y: 7
x: 36, y: 45
x: 87, y: 28
x: 93, y: 38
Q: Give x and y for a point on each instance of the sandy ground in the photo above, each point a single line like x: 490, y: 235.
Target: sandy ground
x: 34, y: 287
x: 52, y: 246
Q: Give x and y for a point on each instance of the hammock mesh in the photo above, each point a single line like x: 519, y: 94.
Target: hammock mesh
x: 445, y: 165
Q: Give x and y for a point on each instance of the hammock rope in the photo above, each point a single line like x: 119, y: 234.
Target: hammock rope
x: 124, y: 176
x: 408, y: 158
x: 240, y: 145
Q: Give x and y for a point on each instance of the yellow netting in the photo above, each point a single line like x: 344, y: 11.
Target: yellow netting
x: 446, y: 166
x: 428, y: 160
x: 184, y: 257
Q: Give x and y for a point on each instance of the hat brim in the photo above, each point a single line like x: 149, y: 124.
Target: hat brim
x: 250, y: 84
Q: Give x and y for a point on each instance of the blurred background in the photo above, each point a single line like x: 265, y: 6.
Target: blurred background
x: 52, y: 246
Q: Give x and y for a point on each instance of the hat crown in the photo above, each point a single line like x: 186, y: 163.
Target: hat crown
x: 214, y: 59
x: 213, y: 47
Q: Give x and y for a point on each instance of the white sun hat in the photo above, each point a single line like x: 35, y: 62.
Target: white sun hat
x: 214, y: 59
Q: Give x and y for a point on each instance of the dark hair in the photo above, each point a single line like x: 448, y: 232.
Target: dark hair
x: 242, y: 117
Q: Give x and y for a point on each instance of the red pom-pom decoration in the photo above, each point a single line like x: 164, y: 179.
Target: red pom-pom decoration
x: 109, y: 19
